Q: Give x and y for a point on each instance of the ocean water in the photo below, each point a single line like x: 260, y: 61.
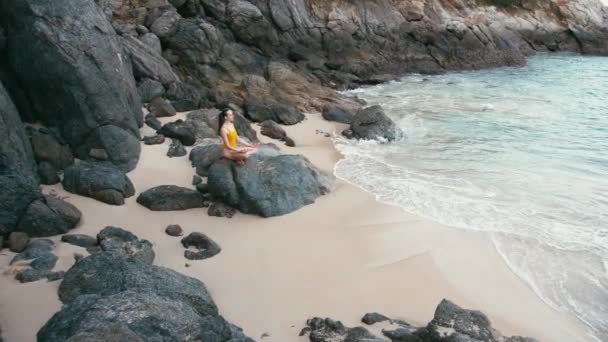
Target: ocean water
x: 521, y: 153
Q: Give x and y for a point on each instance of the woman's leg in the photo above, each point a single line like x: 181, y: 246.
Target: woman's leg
x: 238, y: 157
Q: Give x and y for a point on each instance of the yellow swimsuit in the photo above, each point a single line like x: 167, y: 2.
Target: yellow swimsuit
x: 231, y: 138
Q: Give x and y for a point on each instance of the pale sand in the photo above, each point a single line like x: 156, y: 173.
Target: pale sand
x: 341, y: 257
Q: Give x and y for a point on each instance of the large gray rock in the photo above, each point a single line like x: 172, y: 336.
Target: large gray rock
x: 101, y: 181
x: 147, y: 62
x: 170, y: 197
x: 18, y: 177
x: 267, y: 185
x: 49, y: 216
x: 259, y: 111
x: 184, y: 96
x: 202, y: 157
x: 47, y: 148
x: 150, y: 89
x: 73, y: 71
x: 135, y: 316
x: 337, y: 114
x: 372, y: 123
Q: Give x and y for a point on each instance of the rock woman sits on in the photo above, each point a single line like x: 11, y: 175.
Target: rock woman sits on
x: 230, y: 139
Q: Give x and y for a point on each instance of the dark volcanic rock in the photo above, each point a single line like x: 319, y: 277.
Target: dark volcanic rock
x: 49, y: 216
x: 43, y: 261
x: 206, y: 247
x: 18, y: 176
x: 203, y: 188
x: 260, y: 111
x: 150, y: 89
x: 123, y: 243
x: 176, y: 149
x: 151, y: 317
x: 170, y: 197
x: 80, y: 240
x: 202, y: 157
x: 272, y: 129
x: 120, y: 147
x: 154, y: 140
x: 17, y: 241
x: 147, y: 61
x: 73, y: 65
x: 267, y: 185
x: 36, y: 249
x: 160, y: 107
x: 373, y: 318
x: 174, y: 230
x: 100, y: 181
x: 371, y: 123
x: 54, y: 276
x: 48, y: 173
x: 181, y: 130
x: 219, y: 209
x: 47, y: 148
x: 196, y: 180
x: 337, y: 114
x: 153, y: 122
x: 328, y: 330
x: 184, y: 96
x: 30, y: 275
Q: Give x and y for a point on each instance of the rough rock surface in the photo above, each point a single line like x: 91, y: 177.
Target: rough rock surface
x: 42, y: 261
x: 372, y: 123
x: 205, y: 246
x: 202, y: 157
x: 17, y: 241
x: 49, y: 216
x: 80, y: 240
x: 160, y: 108
x: 62, y: 53
x: 219, y: 209
x: 176, y: 149
x: 450, y: 323
x: 112, y: 296
x: 101, y: 181
x: 170, y: 197
x: 153, y: 122
x: 154, y: 140
x: 269, y: 184
x: 337, y: 114
x: 174, y: 230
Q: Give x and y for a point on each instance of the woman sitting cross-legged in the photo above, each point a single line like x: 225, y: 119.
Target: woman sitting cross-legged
x: 230, y: 139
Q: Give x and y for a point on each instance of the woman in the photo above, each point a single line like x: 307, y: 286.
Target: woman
x: 230, y: 139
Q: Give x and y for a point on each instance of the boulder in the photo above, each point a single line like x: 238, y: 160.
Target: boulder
x: 184, y: 96
x: 170, y: 197
x: 49, y: 216
x: 202, y: 157
x: 373, y: 318
x: 153, y: 122
x: 18, y: 241
x: 42, y: 261
x: 165, y: 25
x: 18, y: 179
x: 80, y: 240
x: 372, y: 123
x: 154, y: 140
x: 147, y: 61
x: 101, y: 181
x: 206, y: 247
x: 48, y: 173
x: 176, y: 149
x: 152, y: 41
x: 337, y: 114
x: 75, y: 56
x: 47, y: 148
x: 34, y: 250
x: 122, y: 243
x: 271, y: 129
x: 268, y: 184
x: 160, y: 107
x: 181, y: 130
x: 259, y: 111
x: 149, y: 89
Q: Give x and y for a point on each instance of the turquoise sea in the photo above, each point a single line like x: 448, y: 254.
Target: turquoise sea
x: 521, y: 153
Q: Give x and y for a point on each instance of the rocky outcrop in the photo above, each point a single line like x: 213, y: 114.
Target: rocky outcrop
x: 49, y: 216
x: 117, y: 296
x: 69, y: 63
x: 450, y: 323
x: 269, y: 184
x: 372, y: 123
x: 99, y: 180
x: 170, y: 197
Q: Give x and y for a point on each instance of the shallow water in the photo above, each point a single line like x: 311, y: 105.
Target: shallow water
x: 519, y: 152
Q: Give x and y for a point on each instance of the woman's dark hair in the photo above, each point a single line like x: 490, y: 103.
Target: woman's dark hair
x: 222, y: 119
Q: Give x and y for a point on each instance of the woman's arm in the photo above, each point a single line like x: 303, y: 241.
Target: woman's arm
x: 244, y: 143
x: 224, y: 134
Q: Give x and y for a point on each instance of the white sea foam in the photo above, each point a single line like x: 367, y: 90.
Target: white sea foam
x: 521, y: 153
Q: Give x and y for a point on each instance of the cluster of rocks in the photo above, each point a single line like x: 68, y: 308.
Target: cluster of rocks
x: 450, y: 323
x: 117, y: 294
x: 41, y: 262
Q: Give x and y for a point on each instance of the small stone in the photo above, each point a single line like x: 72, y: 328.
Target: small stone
x: 174, y: 230
x: 45, y: 262
x: 153, y: 122
x: 98, y: 153
x: 187, y: 265
x: 264, y: 335
x: 79, y: 240
x: 219, y: 209
x: 30, y: 275
x: 54, y: 276
x: 196, y: 180
x: 289, y: 142
x: 206, y: 247
x: 374, y: 317
x: 176, y: 149
x: 327, y: 135
x: 17, y: 241
x: 154, y: 140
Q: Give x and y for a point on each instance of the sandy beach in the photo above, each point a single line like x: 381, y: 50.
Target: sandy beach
x: 341, y: 257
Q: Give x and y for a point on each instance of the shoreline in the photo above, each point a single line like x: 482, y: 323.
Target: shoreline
x: 341, y: 257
